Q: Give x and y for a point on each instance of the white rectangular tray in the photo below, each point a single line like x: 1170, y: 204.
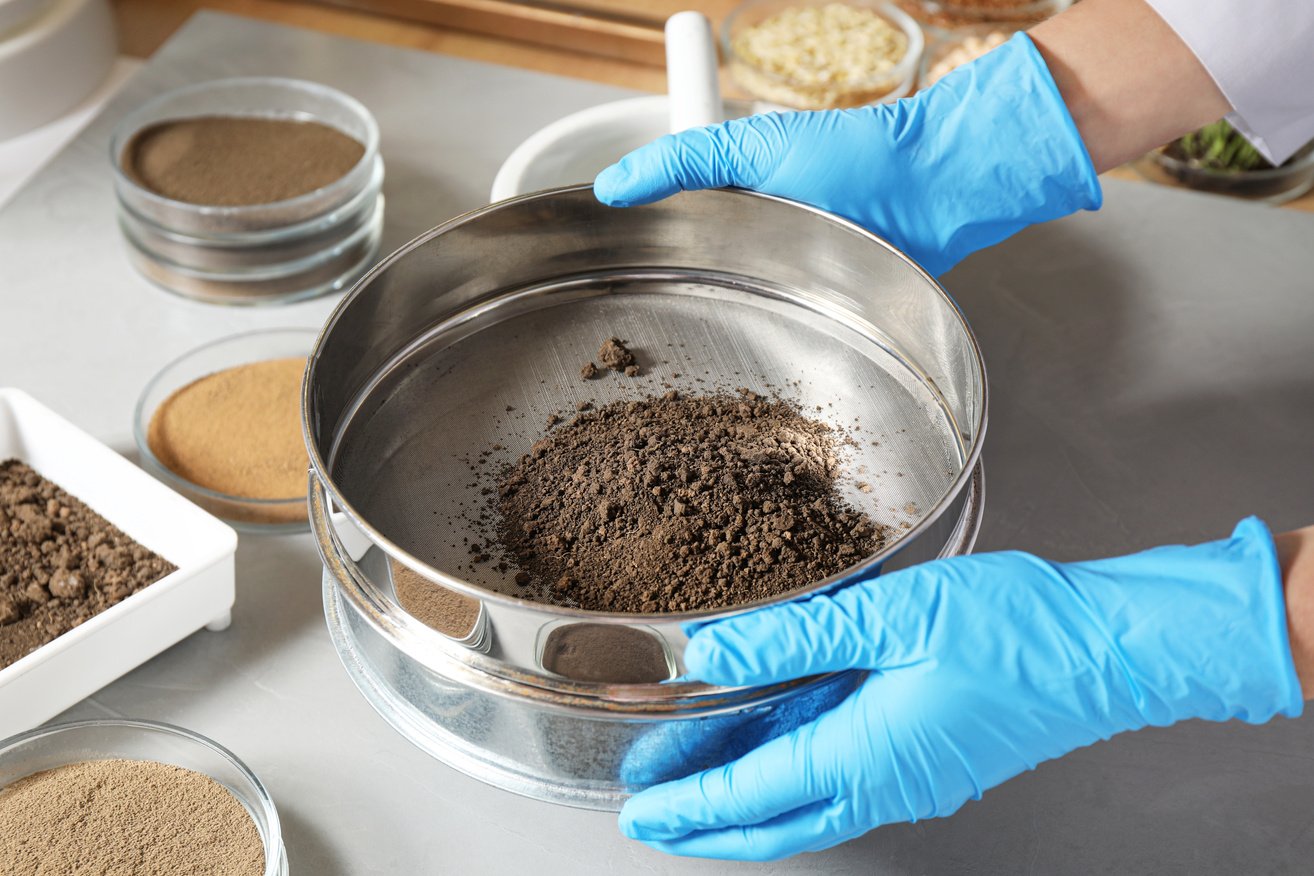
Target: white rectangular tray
x: 199, y: 594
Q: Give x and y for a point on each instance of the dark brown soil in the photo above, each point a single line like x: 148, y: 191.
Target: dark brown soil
x: 60, y: 562
x: 680, y: 504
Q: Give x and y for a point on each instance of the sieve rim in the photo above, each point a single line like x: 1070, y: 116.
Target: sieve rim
x: 319, y: 470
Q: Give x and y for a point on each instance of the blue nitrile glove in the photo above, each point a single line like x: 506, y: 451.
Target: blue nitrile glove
x: 983, y: 153
x: 983, y: 667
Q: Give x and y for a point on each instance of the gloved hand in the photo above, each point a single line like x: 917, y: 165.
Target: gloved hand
x: 982, y: 667
x: 986, y: 151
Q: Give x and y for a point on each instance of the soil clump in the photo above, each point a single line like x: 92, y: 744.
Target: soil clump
x: 613, y: 354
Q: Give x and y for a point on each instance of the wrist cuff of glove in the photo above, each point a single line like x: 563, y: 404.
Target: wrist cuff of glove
x: 1038, y: 167
x: 1203, y: 629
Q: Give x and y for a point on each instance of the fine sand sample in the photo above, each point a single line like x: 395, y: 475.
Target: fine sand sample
x: 605, y: 653
x: 60, y: 563
x: 120, y: 817
x: 238, y: 432
x: 680, y: 504
x: 235, y: 161
x: 450, y: 613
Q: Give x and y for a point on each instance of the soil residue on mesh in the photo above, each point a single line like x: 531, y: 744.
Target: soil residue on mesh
x: 680, y: 504
x: 60, y: 562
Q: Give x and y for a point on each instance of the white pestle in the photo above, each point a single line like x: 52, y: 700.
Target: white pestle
x: 691, y: 72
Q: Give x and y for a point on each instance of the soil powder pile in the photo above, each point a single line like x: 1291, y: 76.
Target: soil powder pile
x: 60, y: 562
x: 125, y: 817
x: 231, y: 161
x: 680, y: 504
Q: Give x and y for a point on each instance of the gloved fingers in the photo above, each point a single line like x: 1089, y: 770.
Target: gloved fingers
x: 676, y: 162
x: 828, y: 633
x: 735, y: 153
x: 779, y: 837
x: 777, y: 777
x: 789, y: 772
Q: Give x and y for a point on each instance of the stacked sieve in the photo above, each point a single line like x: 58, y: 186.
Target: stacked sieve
x: 277, y: 252
x: 469, y: 338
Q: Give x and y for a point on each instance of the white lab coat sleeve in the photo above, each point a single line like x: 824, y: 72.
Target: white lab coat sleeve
x: 1261, y: 54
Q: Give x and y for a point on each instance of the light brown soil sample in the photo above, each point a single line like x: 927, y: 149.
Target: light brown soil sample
x: 230, y: 161
x: 238, y: 432
x: 125, y: 817
x: 679, y: 504
x: 450, y: 613
x: 60, y: 563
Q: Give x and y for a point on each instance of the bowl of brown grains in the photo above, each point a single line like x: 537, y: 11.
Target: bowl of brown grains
x: 120, y: 796
x: 249, y: 190
x: 221, y: 424
x: 955, y: 14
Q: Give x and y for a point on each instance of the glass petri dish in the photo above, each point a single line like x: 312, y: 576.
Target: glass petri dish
x: 782, y: 92
x: 244, y: 513
x: 280, y: 251
x: 953, y: 14
x: 1275, y: 186
x: 113, y: 739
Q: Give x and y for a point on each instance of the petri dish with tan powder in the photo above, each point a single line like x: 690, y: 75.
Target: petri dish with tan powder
x: 222, y: 426
x: 119, y: 796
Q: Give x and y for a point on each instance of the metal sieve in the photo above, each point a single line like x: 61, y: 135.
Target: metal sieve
x: 446, y: 360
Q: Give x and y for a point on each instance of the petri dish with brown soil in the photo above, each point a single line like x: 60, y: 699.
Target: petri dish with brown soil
x: 119, y: 796
x: 221, y: 425
x: 249, y: 190
x: 953, y: 15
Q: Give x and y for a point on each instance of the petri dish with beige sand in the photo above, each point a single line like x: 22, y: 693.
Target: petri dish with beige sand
x: 221, y: 424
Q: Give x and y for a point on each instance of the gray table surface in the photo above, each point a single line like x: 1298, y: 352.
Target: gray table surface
x: 1152, y: 380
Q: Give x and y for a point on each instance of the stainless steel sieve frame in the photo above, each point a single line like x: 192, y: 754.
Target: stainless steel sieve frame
x: 467, y: 661
x: 565, y: 237
x: 584, y: 745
